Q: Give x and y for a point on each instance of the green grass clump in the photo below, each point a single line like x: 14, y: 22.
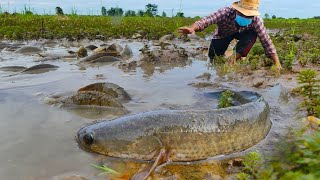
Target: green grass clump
x: 310, y: 89
x: 297, y: 157
x: 88, y: 26
x: 226, y: 99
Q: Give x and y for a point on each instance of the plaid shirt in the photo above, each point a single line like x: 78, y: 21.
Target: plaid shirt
x: 226, y: 25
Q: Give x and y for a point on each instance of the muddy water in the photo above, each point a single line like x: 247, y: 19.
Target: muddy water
x: 37, y: 139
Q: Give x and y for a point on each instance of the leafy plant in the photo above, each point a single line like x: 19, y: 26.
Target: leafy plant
x: 289, y: 58
x: 243, y: 176
x: 252, y: 162
x: 310, y: 90
x: 226, y: 99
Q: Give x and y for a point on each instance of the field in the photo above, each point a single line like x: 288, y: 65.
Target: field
x: 298, y: 46
x: 18, y: 27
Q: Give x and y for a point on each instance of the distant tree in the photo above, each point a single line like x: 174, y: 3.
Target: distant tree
x: 59, y: 11
x: 130, y: 13
x: 103, y: 11
x: 180, y: 14
x: 274, y: 17
x: 140, y: 13
x: 28, y: 12
x: 115, y: 11
x: 164, y: 14
x: 266, y: 16
x: 316, y: 17
x: 151, y: 10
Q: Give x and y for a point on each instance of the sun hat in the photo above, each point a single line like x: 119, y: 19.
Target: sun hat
x: 247, y: 7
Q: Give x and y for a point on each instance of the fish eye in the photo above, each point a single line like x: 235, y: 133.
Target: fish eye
x: 88, y: 138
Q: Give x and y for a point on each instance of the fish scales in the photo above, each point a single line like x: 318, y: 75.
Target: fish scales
x: 189, y: 134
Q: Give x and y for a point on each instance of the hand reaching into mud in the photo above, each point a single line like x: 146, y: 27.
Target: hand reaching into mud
x: 183, y: 31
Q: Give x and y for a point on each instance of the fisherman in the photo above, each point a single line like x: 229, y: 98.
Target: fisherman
x: 241, y: 21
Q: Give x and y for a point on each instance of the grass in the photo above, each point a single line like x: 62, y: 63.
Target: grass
x: 74, y: 27
x: 26, y: 26
x: 105, y: 169
x: 297, y: 157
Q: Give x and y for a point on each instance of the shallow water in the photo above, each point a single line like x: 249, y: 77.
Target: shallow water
x: 37, y: 139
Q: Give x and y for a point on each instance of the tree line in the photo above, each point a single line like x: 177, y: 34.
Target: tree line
x: 151, y: 10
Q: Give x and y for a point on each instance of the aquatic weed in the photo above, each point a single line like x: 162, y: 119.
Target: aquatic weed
x: 226, y: 99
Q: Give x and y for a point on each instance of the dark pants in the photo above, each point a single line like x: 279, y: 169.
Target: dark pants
x: 246, y: 40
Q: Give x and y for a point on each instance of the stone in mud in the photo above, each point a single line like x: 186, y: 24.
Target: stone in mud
x: 94, y: 57
x: 91, y: 47
x: 258, y: 82
x: 82, y: 52
x: 106, y: 59
x: 205, y: 85
x: 94, y: 98
x: 165, y: 56
x: 13, y: 68
x: 115, y: 47
x: 40, y: 67
x: 28, y: 50
x: 127, y: 51
x: 165, y: 38
x: 204, y: 76
x: 127, y: 66
x: 136, y: 36
x: 110, y: 89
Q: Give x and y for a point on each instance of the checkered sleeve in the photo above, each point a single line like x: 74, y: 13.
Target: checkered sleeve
x: 213, y: 18
x: 265, y: 39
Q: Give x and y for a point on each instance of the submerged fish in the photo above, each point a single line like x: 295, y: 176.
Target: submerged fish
x: 184, y: 135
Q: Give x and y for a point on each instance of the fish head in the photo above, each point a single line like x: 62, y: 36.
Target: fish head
x: 118, y: 141
x: 86, y: 139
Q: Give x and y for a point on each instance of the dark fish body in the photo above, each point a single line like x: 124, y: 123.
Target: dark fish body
x: 189, y: 134
x: 40, y: 67
x: 94, y: 57
x: 13, y: 68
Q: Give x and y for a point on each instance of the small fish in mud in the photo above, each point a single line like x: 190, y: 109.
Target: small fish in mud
x: 40, y: 68
x: 180, y: 135
x: 37, y: 69
x: 28, y: 50
x: 13, y: 68
x: 106, y: 59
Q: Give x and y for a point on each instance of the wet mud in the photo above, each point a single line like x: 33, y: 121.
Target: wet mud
x: 38, y: 137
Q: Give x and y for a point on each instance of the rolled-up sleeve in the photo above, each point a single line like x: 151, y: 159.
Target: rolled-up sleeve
x: 213, y: 18
x: 265, y: 39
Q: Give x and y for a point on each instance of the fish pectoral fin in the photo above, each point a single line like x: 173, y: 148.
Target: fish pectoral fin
x: 161, y: 158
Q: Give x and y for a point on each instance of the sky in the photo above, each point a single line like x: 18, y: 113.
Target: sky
x: 280, y: 8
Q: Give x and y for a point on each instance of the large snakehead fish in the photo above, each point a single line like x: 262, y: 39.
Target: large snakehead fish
x: 188, y: 135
